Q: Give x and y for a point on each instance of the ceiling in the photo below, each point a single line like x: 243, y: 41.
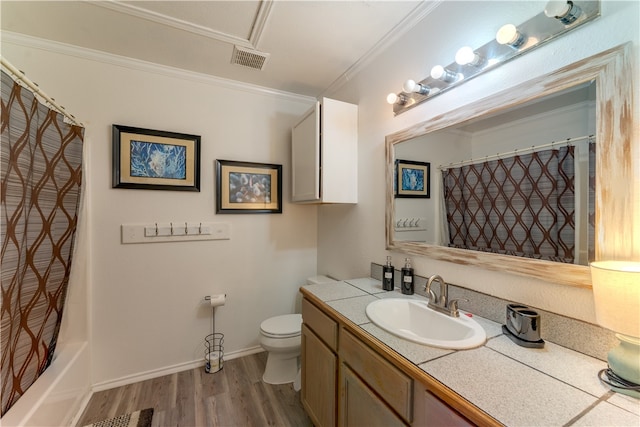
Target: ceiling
x: 302, y: 47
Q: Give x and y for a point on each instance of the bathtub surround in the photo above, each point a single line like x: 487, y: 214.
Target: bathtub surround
x: 577, y: 335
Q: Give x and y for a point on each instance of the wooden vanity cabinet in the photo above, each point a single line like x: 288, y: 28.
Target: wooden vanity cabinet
x: 348, y: 381
x: 319, y: 365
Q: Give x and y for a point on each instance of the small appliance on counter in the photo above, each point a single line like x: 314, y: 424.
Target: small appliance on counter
x: 523, y: 326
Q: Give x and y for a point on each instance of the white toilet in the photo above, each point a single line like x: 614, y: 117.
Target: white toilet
x: 280, y: 337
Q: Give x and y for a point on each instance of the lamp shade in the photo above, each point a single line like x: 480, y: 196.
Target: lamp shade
x: 616, y: 292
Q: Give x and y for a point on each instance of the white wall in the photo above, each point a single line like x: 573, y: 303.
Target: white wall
x: 145, y: 300
x: 351, y: 237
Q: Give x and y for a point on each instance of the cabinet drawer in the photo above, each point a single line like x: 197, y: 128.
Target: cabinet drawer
x: 324, y: 327
x: 389, y: 382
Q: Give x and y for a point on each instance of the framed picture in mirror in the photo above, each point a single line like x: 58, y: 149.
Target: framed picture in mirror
x: 413, y: 179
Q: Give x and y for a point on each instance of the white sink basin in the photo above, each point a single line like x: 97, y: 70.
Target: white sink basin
x: 414, y: 321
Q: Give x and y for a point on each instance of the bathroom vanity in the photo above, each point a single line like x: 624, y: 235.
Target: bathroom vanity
x: 354, y: 373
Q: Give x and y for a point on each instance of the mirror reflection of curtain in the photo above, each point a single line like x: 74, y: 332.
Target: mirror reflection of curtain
x: 523, y: 205
x: 41, y: 176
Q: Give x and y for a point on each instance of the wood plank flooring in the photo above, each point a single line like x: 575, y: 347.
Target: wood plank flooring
x: 235, y: 397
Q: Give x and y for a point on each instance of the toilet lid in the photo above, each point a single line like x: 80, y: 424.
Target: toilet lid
x: 287, y: 325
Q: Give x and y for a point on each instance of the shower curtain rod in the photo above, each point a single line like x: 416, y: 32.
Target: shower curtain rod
x: 532, y: 149
x: 36, y: 89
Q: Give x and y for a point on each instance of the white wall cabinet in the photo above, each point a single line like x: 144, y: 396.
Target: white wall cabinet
x: 324, y: 154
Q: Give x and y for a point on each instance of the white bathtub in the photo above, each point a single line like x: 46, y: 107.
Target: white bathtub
x: 58, y: 395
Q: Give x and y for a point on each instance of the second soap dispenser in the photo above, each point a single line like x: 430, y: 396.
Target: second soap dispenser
x: 407, y: 278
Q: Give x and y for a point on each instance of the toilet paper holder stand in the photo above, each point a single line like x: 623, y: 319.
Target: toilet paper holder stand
x: 214, y: 349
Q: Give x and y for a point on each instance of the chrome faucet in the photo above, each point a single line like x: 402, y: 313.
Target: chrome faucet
x: 441, y: 304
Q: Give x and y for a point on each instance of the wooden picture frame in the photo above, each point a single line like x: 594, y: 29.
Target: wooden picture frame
x: 244, y: 187
x: 148, y: 159
x: 413, y: 179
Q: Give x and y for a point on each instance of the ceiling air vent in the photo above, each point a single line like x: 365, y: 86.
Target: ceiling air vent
x: 249, y: 58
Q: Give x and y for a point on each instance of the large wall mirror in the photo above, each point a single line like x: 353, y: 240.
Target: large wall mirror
x: 586, y: 106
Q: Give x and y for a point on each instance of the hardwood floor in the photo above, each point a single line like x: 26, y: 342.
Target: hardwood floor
x: 234, y: 396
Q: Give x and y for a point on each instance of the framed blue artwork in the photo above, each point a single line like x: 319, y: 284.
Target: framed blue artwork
x: 155, y: 160
x: 413, y: 179
x: 245, y: 187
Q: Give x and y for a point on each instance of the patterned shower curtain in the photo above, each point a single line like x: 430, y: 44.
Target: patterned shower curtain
x: 41, y: 178
x: 523, y: 205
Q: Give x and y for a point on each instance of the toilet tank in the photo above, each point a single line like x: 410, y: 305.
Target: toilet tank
x: 315, y: 280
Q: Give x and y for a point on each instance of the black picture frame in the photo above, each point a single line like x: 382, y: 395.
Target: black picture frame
x: 413, y: 179
x: 148, y: 159
x: 247, y: 188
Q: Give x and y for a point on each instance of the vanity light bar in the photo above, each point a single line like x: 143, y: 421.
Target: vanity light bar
x: 558, y: 18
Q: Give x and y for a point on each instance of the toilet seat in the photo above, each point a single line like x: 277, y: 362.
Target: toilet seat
x: 285, y: 326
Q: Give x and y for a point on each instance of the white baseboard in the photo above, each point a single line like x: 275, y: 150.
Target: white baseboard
x: 155, y: 373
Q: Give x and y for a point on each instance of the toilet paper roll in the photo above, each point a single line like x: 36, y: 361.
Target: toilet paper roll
x: 217, y: 300
x: 214, y: 362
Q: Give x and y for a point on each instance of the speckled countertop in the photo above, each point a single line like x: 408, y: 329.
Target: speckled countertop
x: 518, y: 386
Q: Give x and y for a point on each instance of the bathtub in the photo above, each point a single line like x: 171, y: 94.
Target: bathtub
x: 58, y: 395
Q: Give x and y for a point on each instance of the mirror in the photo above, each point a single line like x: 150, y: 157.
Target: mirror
x: 565, y: 118
x: 413, y: 225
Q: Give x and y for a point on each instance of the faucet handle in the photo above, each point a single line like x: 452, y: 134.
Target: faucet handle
x: 453, y: 306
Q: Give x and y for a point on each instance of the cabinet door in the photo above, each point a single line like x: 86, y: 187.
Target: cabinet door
x: 319, y: 377
x: 433, y: 412
x: 339, y: 152
x: 359, y: 406
x: 305, y: 157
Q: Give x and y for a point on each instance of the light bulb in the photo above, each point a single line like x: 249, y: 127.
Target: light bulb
x: 508, y: 34
x: 564, y: 11
x: 440, y: 73
x: 466, y: 56
x: 412, y: 86
x: 392, y: 98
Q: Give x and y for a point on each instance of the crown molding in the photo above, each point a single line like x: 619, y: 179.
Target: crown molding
x: 417, y: 14
x: 8, y: 37
x: 264, y: 10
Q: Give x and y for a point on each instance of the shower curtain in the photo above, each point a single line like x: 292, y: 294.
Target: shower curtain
x: 41, y: 180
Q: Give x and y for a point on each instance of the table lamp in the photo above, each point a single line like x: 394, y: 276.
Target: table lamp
x: 616, y: 292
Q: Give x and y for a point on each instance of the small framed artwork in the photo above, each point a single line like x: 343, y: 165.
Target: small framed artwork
x: 155, y: 160
x: 413, y: 179
x: 243, y: 187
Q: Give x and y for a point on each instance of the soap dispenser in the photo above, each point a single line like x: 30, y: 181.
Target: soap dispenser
x: 387, y: 276
x: 407, y: 278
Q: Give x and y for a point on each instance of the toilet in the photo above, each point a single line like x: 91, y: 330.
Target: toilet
x: 280, y: 336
